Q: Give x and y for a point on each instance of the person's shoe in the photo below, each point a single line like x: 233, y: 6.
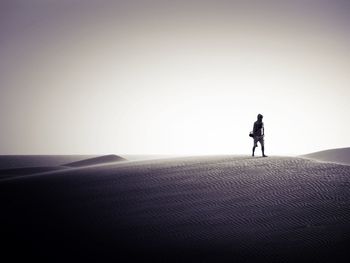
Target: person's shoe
x: 252, y: 155
x: 265, y: 155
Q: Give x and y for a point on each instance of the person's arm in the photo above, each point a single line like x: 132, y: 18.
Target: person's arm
x: 263, y: 130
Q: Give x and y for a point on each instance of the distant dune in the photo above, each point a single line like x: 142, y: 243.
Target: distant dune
x: 11, y: 173
x: 96, y: 160
x: 341, y: 155
x: 12, y: 166
x: 25, y: 161
x: 196, y: 209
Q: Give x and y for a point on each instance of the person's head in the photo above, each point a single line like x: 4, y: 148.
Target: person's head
x: 260, y: 117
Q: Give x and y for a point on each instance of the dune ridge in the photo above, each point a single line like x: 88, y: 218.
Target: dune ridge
x: 105, y: 159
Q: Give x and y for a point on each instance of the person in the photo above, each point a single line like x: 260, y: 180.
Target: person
x: 258, y: 135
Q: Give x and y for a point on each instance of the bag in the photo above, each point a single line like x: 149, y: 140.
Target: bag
x: 251, y: 134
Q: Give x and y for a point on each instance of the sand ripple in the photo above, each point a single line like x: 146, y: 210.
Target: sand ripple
x: 275, y: 208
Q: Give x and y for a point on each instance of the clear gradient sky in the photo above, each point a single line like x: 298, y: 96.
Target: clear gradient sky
x: 173, y: 77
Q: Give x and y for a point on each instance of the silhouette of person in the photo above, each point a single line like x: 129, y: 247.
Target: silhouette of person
x: 258, y: 135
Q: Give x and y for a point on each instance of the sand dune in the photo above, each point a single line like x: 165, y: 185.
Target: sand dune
x: 20, y: 165
x: 341, y: 155
x: 11, y: 173
x: 199, y: 209
x: 96, y: 161
x: 16, y: 169
x: 24, y: 161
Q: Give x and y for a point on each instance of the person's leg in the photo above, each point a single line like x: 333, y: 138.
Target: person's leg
x: 262, y: 147
x: 255, y: 145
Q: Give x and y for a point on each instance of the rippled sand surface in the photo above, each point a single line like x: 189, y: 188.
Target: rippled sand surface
x: 196, y: 209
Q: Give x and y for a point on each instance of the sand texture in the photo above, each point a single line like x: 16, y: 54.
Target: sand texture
x: 195, y: 209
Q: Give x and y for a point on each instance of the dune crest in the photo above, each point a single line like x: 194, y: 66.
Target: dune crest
x: 111, y: 158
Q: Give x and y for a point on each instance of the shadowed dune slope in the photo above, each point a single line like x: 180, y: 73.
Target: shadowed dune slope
x: 21, y: 165
x: 12, y: 166
x: 24, y: 161
x: 96, y: 160
x: 341, y: 155
x: 11, y: 173
x: 205, y: 209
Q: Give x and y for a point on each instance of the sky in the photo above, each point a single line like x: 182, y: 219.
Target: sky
x: 173, y: 77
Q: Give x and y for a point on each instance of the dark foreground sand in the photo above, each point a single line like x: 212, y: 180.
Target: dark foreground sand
x: 199, y: 209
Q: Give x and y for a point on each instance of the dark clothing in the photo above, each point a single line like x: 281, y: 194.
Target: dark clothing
x: 257, y: 129
x: 258, y: 135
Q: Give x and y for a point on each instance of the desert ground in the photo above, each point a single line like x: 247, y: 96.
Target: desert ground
x: 184, y: 209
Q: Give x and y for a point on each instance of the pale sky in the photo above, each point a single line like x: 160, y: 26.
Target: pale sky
x: 173, y: 77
